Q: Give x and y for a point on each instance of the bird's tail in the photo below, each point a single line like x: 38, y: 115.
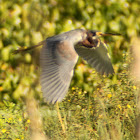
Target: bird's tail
x: 24, y: 49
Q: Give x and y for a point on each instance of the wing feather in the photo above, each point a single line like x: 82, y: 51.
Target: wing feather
x: 97, y: 57
x: 57, y: 62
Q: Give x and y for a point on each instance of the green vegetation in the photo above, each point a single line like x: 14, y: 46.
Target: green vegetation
x: 96, y: 107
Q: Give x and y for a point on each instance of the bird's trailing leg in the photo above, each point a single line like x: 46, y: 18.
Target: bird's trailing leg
x: 24, y: 49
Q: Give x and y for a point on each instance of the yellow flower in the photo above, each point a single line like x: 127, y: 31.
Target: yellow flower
x: 28, y: 121
x: 134, y: 87
x: 93, y: 71
x: 20, y: 119
x: 98, y: 89
x: 1, y: 88
x: 3, y: 130
x: 128, y: 106
x: 91, y: 111
x: 17, y: 139
x: 73, y: 88
x: 90, y: 107
x: 109, y: 95
x: 119, y: 106
x: 10, y: 119
x: 80, y: 92
x: 68, y: 100
x: 25, y: 47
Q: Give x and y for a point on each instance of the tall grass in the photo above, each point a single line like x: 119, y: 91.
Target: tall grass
x: 107, y: 112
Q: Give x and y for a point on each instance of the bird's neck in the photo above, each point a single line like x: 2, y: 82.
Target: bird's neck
x: 76, y: 36
x: 88, y: 41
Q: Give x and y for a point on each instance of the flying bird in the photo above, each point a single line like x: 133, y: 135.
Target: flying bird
x: 59, y: 55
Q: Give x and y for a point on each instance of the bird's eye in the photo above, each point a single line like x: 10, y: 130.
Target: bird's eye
x: 93, y: 33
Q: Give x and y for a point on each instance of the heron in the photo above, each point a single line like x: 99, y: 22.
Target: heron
x: 59, y: 55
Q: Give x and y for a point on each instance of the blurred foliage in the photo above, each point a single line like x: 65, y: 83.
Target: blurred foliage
x: 26, y: 22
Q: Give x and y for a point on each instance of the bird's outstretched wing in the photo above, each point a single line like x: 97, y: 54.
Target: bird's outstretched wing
x: 57, y: 62
x: 97, y: 57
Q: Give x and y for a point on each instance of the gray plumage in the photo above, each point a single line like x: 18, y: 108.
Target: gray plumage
x: 59, y: 55
x: 58, y: 58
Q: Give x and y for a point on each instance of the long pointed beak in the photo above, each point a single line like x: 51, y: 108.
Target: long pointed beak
x: 107, y: 34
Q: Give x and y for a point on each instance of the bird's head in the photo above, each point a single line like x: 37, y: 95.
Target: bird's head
x: 92, y: 38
